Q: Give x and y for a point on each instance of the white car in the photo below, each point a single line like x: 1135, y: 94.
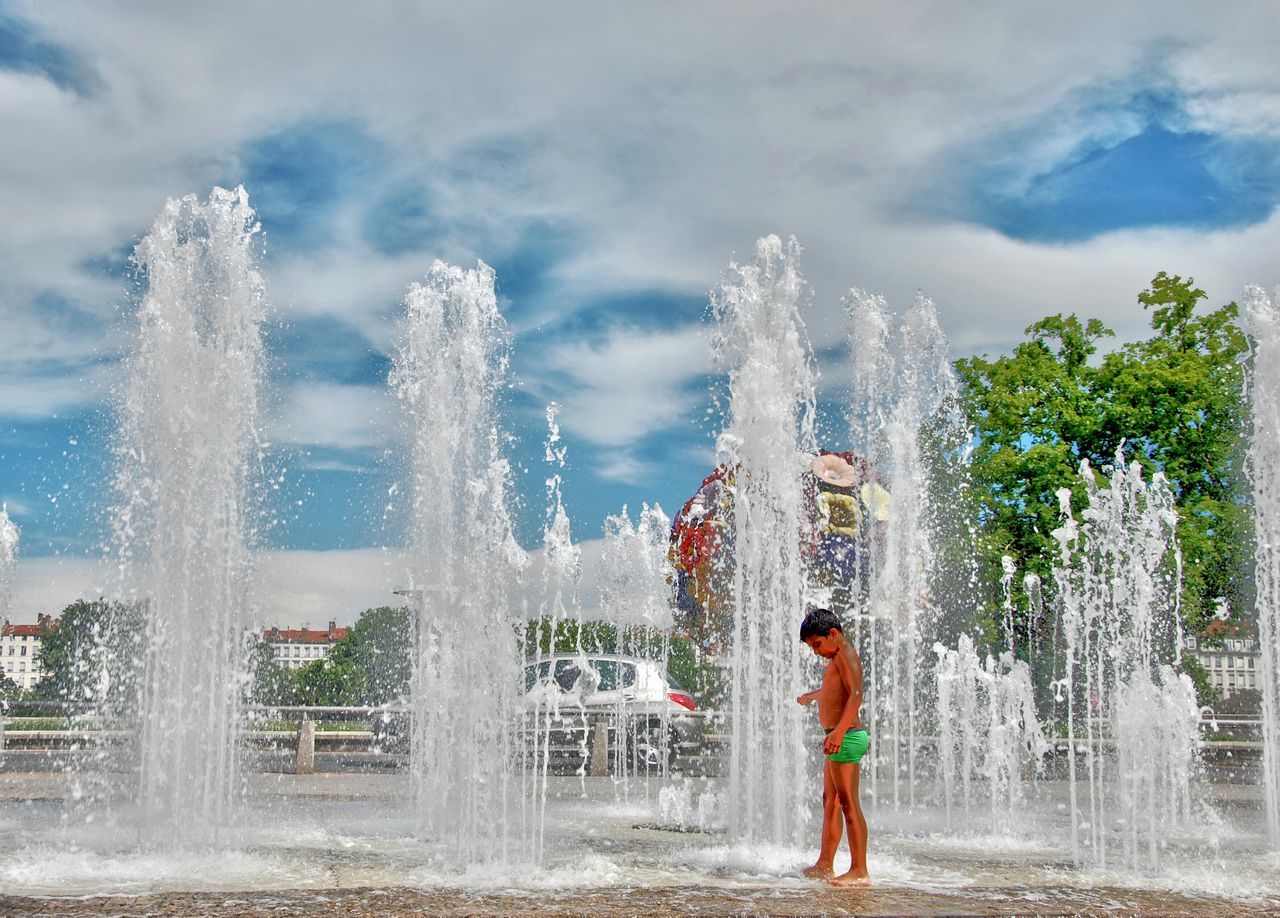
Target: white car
x: 606, y: 681
x: 633, y: 688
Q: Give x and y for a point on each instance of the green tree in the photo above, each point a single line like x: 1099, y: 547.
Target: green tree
x: 378, y: 647
x: 1036, y: 414
x: 1173, y: 400
x: 269, y: 682
x: 9, y: 690
x: 95, y: 654
x: 1176, y: 400
x: 324, y: 682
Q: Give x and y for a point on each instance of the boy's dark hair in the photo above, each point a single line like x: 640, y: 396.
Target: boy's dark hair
x: 820, y: 622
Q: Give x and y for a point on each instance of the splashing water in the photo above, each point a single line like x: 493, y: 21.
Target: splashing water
x: 9, y: 536
x: 1262, y: 321
x: 1118, y: 578
x: 900, y: 384
x: 561, y: 606
x: 760, y: 341
x: 450, y: 366
x: 636, y: 575
x: 188, y: 450
x: 636, y: 596
x: 987, y: 729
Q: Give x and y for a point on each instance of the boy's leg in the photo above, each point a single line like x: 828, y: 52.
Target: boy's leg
x: 831, y: 827
x: 847, y: 778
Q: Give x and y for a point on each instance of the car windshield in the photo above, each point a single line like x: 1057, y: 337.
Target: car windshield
x: 601, y: 675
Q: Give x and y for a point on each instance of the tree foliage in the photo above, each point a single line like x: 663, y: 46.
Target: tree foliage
x: 1173, y: 401
x: 372, y: 662
x: 95, y: 654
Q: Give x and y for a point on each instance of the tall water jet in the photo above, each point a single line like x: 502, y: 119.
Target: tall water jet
x: 1118, y: 578
x: 636, y: 573
x: 9, y: 536
x: 560, y: 609
x: 1262, y: 322
x: 902, y: 383
x: 188, y: 451
x: 760, y: 342
x: 450, y: 367
x: 987, y: 730
x: 636, y: 596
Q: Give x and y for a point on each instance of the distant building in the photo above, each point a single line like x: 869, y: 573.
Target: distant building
x: 295, y: 647
x: 20, y: 650
x: 1230, y: 654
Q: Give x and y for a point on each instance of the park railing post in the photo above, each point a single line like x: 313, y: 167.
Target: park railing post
x: 598, y: 765
x: 304, y: 762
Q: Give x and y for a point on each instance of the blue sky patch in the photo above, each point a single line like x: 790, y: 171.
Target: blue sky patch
x: 22, y: 50
x: 524, y: 271
x: 325, y: 349
x: 298, y: 179
x: 401, y: 220
x: 1159, y: 173
x: 55, y: 475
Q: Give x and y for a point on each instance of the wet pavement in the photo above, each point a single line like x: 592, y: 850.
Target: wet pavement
x: 672, y: 900
x: 332, y: 844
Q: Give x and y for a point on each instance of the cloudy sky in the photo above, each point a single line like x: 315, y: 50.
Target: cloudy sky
x: 608, y: 160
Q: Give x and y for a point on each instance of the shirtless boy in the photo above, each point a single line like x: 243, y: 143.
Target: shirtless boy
x: 846, y: 743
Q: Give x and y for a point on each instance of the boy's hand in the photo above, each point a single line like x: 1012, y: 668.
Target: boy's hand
x: 831, y: 745
x: 807, y: 698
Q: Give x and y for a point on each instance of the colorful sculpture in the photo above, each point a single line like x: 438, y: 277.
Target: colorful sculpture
x: 846, y: 506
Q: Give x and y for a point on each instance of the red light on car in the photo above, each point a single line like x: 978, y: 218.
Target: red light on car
x: 684, y: 700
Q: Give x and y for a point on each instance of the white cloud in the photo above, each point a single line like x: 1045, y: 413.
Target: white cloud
x: 667, y: 139
x: 288, y: 588
x: 673, y: 135
x: 629, y: 385
x: 48, y: 585
x: 329, y: 414
x: 296, y: 587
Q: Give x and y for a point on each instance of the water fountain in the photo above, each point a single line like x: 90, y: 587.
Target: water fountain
x: 189, y: 454
x: 987, y: 729
x: 1262, y: 321
x: 476, y: 821
x: 902, y: 381
x: 9, y: 537
x: 449, y: 373
x: 1135, y: 719
x: 636, y: 599
x: 760, y: 343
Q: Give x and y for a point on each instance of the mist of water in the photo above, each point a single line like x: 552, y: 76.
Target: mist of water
x: 635, y: 572
x: 760, y: 343
x: 451, y: 366
x: 988, y: 734
x: 9, y: 537
x: 902, y: 381
x: 636, y: 596
x: 189, y: 454
x: 1134, y: 718
x: 1262, y: 321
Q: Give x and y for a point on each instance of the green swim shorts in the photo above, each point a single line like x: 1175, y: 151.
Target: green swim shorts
x: 853, y: 748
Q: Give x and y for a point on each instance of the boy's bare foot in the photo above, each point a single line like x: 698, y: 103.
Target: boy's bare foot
x: 822, y: 871
x: 852, y: 879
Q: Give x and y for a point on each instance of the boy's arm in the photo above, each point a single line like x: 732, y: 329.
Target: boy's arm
x: 808, y: 697
x: 849, y: 669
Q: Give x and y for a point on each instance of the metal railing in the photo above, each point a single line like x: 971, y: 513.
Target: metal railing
x: 300, y: 731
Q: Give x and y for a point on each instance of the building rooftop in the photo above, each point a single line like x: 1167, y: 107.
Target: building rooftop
x: 43, y: 623
x: 1243, y: 628
x: 330, y: 635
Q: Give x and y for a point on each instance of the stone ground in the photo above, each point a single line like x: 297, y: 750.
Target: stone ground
x: 705, y: 898
x: 701, y: 900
